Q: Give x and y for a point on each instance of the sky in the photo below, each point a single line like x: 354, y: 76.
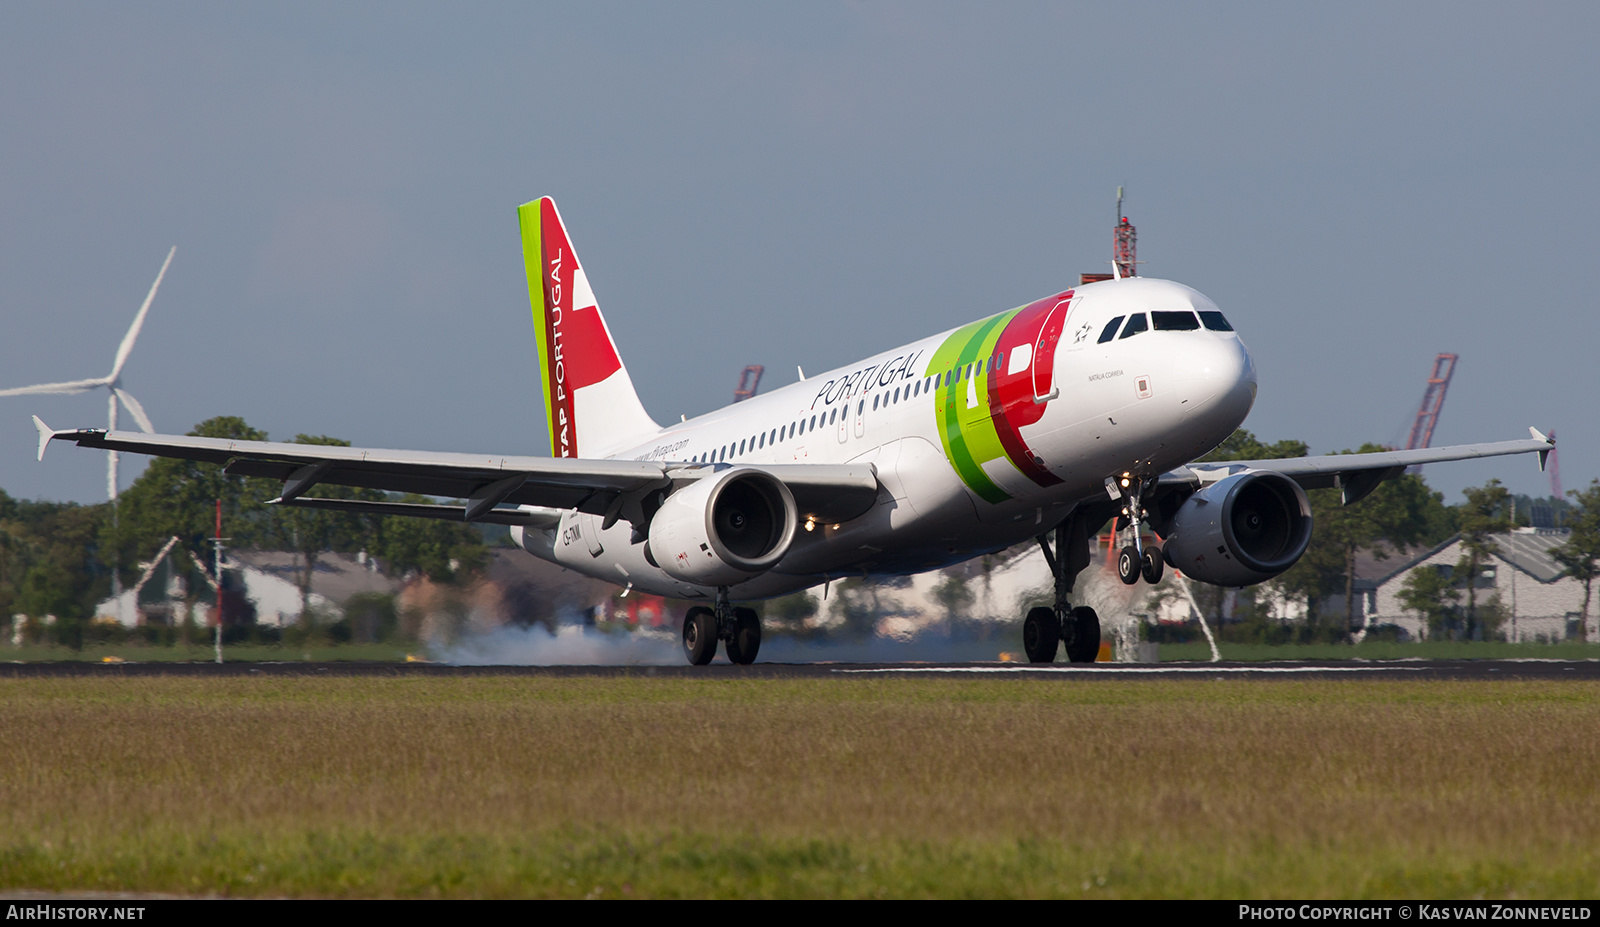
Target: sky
x: 1360, y: 186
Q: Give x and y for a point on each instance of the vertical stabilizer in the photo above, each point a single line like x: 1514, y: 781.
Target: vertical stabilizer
x: 588, y: 397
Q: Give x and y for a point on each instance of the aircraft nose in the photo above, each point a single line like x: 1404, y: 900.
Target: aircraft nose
x: 1218, y: 378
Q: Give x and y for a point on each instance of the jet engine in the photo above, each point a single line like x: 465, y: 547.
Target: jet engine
x: 724, y: 529
x: 1241, y: 530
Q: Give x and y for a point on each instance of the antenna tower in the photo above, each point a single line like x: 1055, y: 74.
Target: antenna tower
x: 1125, y: 244
x: 1444, y: 366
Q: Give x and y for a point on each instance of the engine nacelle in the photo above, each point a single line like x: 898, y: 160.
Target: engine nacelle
x: 724, y: 529
x: 1241, y: 530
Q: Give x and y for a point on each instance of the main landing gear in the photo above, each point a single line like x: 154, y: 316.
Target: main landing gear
x: 1048, y: 627
x: 738, y: 628
x: 1136, y: 560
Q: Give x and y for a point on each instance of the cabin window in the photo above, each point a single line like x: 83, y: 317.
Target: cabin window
x: 741, y: 449
x: 874, y: 403
x: 763, y: 441
x: 1136, y: 324
x: 1215, y: 322
x: 1110, y: 331
x: 1174, y: 321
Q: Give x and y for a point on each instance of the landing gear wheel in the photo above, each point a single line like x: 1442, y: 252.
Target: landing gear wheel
x: 1085, y: 646
x: 1041, y: 635
x: 746, y: 639
x: 1128, y: 565
x: 1150, y: 569
x: 700, y: 635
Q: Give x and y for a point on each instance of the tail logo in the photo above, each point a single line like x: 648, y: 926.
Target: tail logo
x: 558, y: 364
x: 589, y: 402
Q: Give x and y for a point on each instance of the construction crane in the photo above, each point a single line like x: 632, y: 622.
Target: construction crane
x: 1444, y: 366
x: 1555, y: 469
x: 749, y: 382
x: 1124, y: 249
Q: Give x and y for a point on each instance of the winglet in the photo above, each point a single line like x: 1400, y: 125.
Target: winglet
x: 45, y: 434
x: 1543, y: 455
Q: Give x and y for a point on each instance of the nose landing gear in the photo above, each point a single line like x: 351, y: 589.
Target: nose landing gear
x: 1136, y: 559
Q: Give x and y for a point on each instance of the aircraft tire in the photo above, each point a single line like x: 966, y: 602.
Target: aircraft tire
x: 1041, y: 635
x: 1085, y: 646
x: 1150, y: 569
x: 746, y: 642
x: 1128, y: 565
x: 700, y: 635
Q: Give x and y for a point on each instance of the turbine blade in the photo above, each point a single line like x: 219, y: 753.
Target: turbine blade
x: 124, y: 349
x: 69, y: 386
x: 136, y: 410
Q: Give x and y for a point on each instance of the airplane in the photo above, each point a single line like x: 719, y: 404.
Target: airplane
x: 1042, y: 422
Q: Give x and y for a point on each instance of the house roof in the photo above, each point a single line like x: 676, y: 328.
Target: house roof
x: 336, y: 578
x: 1525, y: 549
x: 1529, y: 551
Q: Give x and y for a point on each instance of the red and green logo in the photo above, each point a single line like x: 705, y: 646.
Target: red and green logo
x: 995, y: 376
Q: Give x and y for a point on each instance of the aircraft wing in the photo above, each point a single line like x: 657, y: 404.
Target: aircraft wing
x: 1360, y: 474
x: 612, y: 488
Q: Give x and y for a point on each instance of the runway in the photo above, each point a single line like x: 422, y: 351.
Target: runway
x: 1376, y: 670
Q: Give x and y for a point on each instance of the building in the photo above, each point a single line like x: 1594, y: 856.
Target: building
x: 1538, y: 601
x: 269, y: 581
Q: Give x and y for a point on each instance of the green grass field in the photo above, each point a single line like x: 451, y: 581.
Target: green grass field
x: 860, y: 787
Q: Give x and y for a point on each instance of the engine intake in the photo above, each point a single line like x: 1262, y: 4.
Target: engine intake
x: 724, y: 529
x: 1243, y: 529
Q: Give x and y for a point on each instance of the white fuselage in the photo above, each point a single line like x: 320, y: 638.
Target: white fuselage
x: 1139, y: 402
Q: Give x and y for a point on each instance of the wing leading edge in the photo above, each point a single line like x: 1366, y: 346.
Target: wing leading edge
x: 616, y: 489
x: 1359, y: 474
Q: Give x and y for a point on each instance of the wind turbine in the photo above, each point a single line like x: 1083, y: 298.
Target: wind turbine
x: 112, y: 381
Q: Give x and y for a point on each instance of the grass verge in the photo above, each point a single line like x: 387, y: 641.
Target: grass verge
x: 501, y: 786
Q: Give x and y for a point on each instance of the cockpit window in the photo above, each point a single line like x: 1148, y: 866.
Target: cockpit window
x: 1110, y: 331
x: 1136, y: 324
x: 1175, y: 321
x: 1215, y: 322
